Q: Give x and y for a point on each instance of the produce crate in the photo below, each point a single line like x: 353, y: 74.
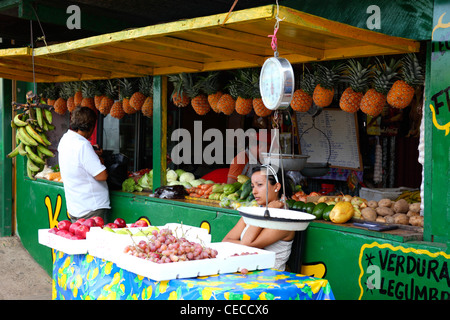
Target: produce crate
x: 59, y: 243
x: 106, y: 245
x: 225, y: 262
x: 382, y: 193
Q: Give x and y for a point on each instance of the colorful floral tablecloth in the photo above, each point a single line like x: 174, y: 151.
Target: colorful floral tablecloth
x: 87, y: 277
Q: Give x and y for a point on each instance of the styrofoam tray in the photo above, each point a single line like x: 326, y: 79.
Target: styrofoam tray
x: 56, y: 242
x: 106, y: 245
x: 223, y: 263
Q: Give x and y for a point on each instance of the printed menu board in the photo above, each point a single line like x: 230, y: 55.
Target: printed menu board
x: 337, y: 140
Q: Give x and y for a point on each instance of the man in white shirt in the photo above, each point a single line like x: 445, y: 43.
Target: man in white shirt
x: 82, y: 172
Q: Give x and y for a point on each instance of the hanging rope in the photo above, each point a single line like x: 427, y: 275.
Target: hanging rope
x: 274, y: 42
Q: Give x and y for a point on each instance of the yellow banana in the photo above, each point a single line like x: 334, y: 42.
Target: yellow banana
x: 33, y: 156
x: 39, y: 117
x: 18, y: 120
x: 28, y: 140
x: 34, y: 134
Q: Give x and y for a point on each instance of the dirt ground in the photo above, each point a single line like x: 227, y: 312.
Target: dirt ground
x: 21, y: 278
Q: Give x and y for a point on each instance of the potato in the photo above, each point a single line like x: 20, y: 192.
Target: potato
x: 369, y: 214
x: 414, y: 207
x: 384, y: 211
x: 372, y: 204
x: 401, y: 218
x: 380, y: 219
x: 416, y: 221
x: 384, y: 203
x: 401, y: 206
x: 389, y: 219
x: 412, y: 213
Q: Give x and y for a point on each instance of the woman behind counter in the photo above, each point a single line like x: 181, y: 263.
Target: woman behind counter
x: 278, y: 241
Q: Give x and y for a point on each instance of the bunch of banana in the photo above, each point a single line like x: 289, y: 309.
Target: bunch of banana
x: 31, y: 139
x: 410, y: 196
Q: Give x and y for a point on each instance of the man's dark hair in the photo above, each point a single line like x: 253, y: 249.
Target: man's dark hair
x: 83, y: 119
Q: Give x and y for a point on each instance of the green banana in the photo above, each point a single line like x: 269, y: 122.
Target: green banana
x: 30, y: 174
x: 45, y: 151
x: 32, y: 166
x: 50, y: 127
x: 48, y: 116
x: 26, y: 138
x: 44, y: 137
x: 13, y: 153
x: 45, y: 127
x: 18, y: 121
x: 33, y: 156
x: 22, y: 151
x: 34, y: 134
x: 39, y: 117
x: 13, y: 125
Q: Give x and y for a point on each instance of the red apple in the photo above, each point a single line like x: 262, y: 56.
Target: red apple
x: 62, y: 233
x: 89, y: 222
x: 75, y: 237
x: 120, y: 223
x: 81, y: 231
x: 99, y: 221
x: 53, y: 230
x: 73, y: 227
x: 141, y: 223
x: 81, y: 220
x: 111, y: 225
x: 64, y: 225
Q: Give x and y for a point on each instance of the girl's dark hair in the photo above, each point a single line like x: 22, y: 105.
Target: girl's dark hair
x: 83, y: 119
x: 287, y: 189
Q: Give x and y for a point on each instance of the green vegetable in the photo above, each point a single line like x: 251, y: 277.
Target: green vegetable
x: 318, y: 210
x: 242, y: 178
x: 129, y: 185
x: 187, y: 177
x: 298, y: 205
x: 217, y: 188
x: 246, y: 189
x: 195, y: 183
x: 290, y: 203
x: 251, y: 197
x: 146, y: 181
x: 179, y: 172
x: 171, y: 175
x: 233, y: 196
x: 326, y: 212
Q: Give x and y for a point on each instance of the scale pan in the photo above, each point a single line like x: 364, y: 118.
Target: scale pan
x: 280, y: 219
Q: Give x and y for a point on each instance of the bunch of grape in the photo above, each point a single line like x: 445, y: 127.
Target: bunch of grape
x: 163, y: 247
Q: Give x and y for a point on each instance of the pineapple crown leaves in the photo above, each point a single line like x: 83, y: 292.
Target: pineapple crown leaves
x: 125, y: 88
x: 307, y: 81
x: 88, y: 89
x: 385, y: 74
x: 245, y: 83
x: 210, y: 83
x: 178, y: 81
x: 412, y: 71
x: 357, y: 76
x: 328, y: 76
x: 111, y: 89
x: 146, y: 86
x: 192, y: 85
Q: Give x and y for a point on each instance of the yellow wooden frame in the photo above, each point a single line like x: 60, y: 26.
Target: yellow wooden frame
x: 216, y: 42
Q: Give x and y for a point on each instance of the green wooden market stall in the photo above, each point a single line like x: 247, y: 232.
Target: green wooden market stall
x: 359, y: 263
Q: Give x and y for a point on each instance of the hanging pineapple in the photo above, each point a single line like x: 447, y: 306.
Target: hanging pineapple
x: 402, y: 91
x: 117, y: 110
x: 374, y: 99
x: 70, y: 87
x: 241, y: 89
x: 138, y: 97
x: 99, y: 93
x: 179, y: 97
x: 88, y: 91
x: 257, y: 103
x: 210, y: 85
x: 302, y: 98
x: 52, y: 94
x: 60, y: 105
x: 357, y: 78
x: 126, y: 90
x: 193, y: 89
x: 226, y: 104
x: 78, y: 94
x: 326, y: 79
x: 108, y: 99
x: 146, y: 87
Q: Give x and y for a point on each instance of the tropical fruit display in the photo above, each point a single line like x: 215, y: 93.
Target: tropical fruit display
x: 242, y: 89
x: 402, y: 91
x: 125, y: 93
x: 193, y: 88
x: 211, y: 87
x: 88, y: 92
x: 357, y: 77
x: 31, y: 140
x: 374, y: 100
x: 146, y: 88
x: 108, y: 98
x: 178, y: 96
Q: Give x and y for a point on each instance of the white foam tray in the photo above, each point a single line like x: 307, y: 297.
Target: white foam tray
x: 223, y: 263
x: 56, y: 242
x: 106, y: 245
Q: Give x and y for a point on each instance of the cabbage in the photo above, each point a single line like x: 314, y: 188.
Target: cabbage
x: 195, y: 183
x: 187, y: 177
x: 179, y: 172
x: 171, y: 175
x: 187, y: 185
x: 209, y: 182
x: 174, y: 183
